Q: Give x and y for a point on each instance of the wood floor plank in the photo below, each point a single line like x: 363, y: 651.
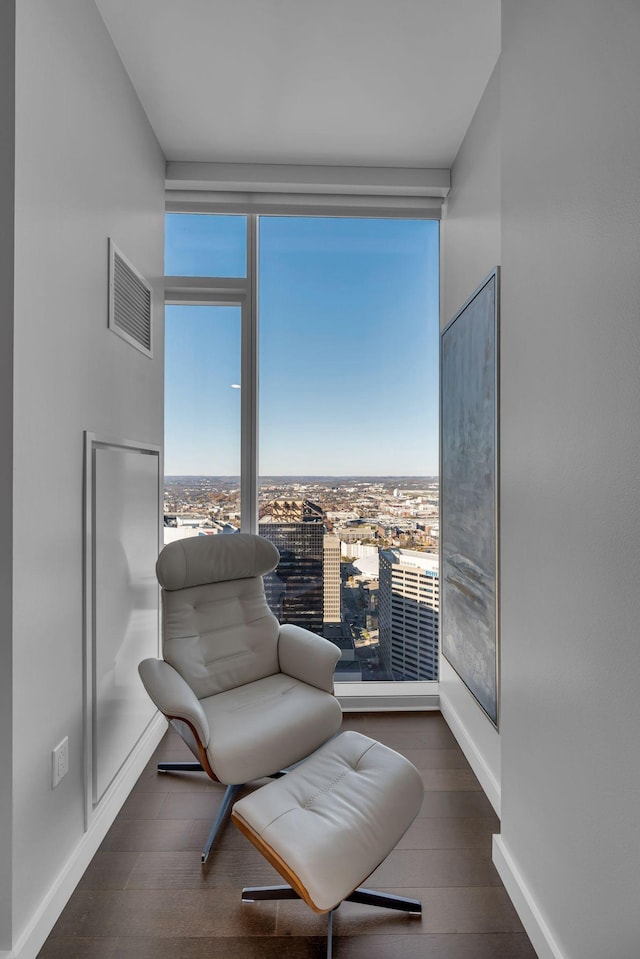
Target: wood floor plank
x: 128, y: 835
x: 462, y: 780
x: 143, y: 805
x: 109, y: 870
x: 236, y: 947
x: 89, y: 948
x: 444, y: 804
x: 465, y: 946
x: 163, y: 913
x: 423, y: 758
x: 404, y: 730
x: 450, y: 833
x: 436, y: 867
x: 183, y: 870
x: 191, y: 805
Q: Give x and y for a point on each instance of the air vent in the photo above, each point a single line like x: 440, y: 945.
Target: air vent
x: 129, y: 302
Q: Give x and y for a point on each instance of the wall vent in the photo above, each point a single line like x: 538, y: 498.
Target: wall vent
x: 129, y: 302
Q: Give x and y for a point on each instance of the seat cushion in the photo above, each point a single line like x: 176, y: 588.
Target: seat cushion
x: 332, y: 820
x: 264, y: 726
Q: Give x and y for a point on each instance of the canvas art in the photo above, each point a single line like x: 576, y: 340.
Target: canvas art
x: 469, y: 494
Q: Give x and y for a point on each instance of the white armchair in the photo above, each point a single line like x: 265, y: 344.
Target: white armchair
x: 249, y: 696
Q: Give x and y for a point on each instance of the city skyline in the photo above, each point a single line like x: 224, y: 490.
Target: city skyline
x: 408, y: 506
x: 336, y: 539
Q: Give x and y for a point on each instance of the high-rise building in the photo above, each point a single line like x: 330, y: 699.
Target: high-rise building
x: 331, y: 579
x: 409, y: 604
x: 295, y: 590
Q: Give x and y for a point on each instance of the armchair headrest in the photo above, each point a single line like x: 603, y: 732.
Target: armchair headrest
x: 198, y: 560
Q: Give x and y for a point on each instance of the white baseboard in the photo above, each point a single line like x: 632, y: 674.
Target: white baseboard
x: 525, y: 905
x: 382, y: 697
x: 395, y: 704
x: 476, y: 760
x: 42, y: 922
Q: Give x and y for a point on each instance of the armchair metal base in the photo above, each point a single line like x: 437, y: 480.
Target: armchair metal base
x: 180, y: 767
x: 225, y: 807
x: 228, y: 799
x: 368, y: 897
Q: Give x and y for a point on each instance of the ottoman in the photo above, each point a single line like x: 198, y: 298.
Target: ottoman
x: 327, y: 824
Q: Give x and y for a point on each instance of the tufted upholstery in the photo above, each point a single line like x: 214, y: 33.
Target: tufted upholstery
x: 220, y: 635
x: 332, y: 820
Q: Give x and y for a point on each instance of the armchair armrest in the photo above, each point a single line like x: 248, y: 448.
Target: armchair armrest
x: 173, y: 696
x: 307, y: 657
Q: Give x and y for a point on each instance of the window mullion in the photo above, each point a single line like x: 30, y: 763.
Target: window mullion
x: 249, y: 408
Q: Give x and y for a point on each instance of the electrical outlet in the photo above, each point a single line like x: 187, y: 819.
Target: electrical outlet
x: 59, y: 762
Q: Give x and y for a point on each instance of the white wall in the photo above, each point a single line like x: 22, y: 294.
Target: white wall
x: 7, y: 172
x: 570, y: 472
x: 471, y: 241
x: 87, y: 167
x: 471, y: 247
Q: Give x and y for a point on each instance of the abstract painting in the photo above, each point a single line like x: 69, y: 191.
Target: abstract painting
x: 469, y: 493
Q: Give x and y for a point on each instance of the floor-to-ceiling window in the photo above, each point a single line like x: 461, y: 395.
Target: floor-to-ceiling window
x: 302, y: 403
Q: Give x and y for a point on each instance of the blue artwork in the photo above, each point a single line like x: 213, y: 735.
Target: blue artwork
x: 469, y: 478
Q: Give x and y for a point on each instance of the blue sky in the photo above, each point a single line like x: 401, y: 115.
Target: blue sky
x: 348, y: 313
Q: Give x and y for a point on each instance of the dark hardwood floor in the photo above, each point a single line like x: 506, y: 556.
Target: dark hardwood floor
x: 146, y: 895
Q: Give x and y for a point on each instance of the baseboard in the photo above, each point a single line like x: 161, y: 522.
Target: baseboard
x: 42, y: 922
x: 379, y: 697
x: 395, y: 704
x: 476, y: 760
x: 525, y: 905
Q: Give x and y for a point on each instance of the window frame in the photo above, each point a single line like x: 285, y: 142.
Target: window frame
x: 243, y: 292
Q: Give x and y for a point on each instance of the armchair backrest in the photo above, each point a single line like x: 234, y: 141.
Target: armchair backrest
x: 217, y: 629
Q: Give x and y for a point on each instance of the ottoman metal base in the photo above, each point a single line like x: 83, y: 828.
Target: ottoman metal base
x: 330, y: 822
x: 369, y: 897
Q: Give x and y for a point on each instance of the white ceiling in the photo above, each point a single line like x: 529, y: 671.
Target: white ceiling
x: 387, y: 83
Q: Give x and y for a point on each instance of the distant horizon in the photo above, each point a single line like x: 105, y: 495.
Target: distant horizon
x: 281, y: 476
